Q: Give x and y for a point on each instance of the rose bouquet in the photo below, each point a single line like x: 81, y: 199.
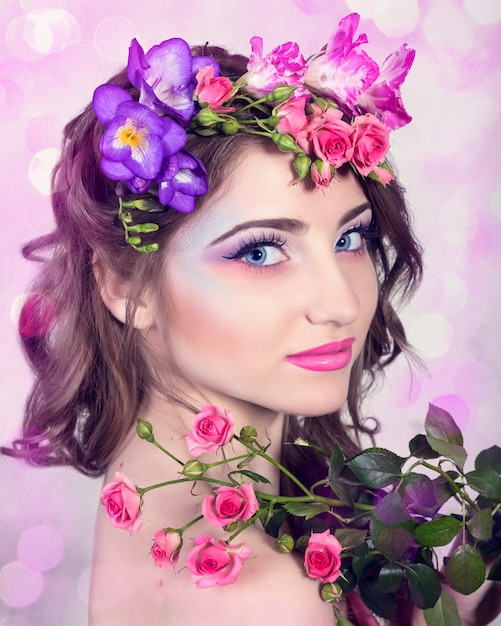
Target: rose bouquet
x: 372, y: 523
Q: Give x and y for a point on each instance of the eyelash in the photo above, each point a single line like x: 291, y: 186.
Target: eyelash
x: 245, y: 246
x: 368, y: 232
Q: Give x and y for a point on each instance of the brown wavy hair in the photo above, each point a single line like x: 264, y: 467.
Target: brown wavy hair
x: 91, y: 371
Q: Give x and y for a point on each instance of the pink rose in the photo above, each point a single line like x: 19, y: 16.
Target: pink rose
x: 284, y: 65
x: 370, y: 143
x: 213, y: 90
x: 321, y: 172
x: 230, y: 504
x: 332, y: 139
x: 165, y: 550
x: 122, y: 503
x: 322, y: 558
x: 291, y: 113
x: 212, y: 428
x: 384, y: 175
x: 214, y: 562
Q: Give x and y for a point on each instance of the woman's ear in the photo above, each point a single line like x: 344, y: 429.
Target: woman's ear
x: 115, y: 293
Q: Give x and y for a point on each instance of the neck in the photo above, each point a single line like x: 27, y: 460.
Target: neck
x: 172, y: 421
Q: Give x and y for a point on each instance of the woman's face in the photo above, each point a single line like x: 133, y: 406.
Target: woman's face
x: 270, y: 292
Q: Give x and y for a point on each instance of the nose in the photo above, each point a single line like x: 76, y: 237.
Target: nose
x: 331, y: 295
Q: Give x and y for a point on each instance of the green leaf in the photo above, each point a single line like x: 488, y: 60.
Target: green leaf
x: 336, y: 463
x: 489, y: 459
x: 273, y: 523
x: 438, y: 532
x: 424, y: 585
x: 421, y: 449
x: 306, y: 509
x: 444, y: 613
x: 347, y: 581
x: 390, y: 578
x: 391, y: 527
x: 252, y: 475
x: 486, y: 482
x: 481, y: 525
x: 382, y: 604
x: 363, y: 564
x: 465, y: 570
x: 350, y: 537
x: 444, y: 436
x: 376, y: 467
x: 342, y: 491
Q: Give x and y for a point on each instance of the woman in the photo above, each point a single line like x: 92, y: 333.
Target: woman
x: 273, y: 299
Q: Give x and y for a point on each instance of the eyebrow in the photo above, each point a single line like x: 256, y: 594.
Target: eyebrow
x: 286, y: 224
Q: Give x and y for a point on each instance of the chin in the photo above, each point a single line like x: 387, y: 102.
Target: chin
x: 313, y: 407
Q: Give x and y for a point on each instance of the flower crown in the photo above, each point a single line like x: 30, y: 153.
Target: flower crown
x: 301, y: 105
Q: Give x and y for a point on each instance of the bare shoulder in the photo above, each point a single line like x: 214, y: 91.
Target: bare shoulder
x: 127, y: 589
x: 271, y: 589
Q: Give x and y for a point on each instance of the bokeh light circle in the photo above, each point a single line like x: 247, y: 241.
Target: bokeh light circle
x: 41, y: 167
x: 19, y: 585
x: 113, y: 37
x: 50, y: 30
x: 455, y: 406
x: 430, y: 334
x: 395, y: 18
x: 483, y: 11
x: 447, y: 27
x: 40, y: 548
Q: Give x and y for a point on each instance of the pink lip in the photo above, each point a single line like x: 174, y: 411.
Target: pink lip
x: 329, y: 357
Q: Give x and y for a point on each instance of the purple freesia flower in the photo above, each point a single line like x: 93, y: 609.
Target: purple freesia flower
x: 342, y: 71
x: 182, y: 178
x: 284, y: 65
x: 383, y: 97
x: 165, y: 76
x: 136, y: 140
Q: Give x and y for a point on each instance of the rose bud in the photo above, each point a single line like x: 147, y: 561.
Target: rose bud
x: 194, y: 469
x: 145, y: 430
x: 285, y: 544
x: 331, y: 592
x: 248, y: 434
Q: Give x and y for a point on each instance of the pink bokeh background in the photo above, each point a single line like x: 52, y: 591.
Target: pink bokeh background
x: 53, y: 53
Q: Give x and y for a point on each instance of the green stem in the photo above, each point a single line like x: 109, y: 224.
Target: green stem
x: 143, y: 490
x: 248, y: 523
x: 278, y: 465
x: 225, y: 461
x: 186, y: 526
x: 313, y: 499
x: 252, y: 104
x: 160, y: 447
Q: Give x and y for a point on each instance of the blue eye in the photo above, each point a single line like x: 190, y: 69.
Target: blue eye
x: 260, y: 252
x: 263, y: 255
x: 257, y: 256
x: 349, y: 242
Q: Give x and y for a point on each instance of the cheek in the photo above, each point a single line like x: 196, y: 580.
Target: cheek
x: 204, y: 317
x: 363, y: 278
